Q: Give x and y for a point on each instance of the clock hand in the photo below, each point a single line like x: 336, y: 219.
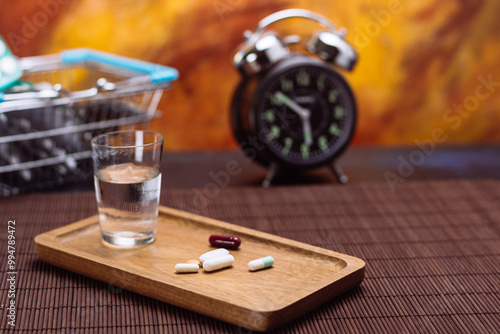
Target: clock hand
x: 306, y: 127
x: 303, y: 113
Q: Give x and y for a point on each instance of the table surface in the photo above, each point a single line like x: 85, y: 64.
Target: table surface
x: 430, y: 238
x: 360, y: 164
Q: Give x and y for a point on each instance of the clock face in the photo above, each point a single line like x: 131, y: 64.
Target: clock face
x: 304, y: 112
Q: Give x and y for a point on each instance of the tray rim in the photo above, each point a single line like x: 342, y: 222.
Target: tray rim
x: 48, y: 244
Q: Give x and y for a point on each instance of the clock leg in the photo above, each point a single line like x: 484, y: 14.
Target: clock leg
x: 271, y: 173
x: 339, y: 173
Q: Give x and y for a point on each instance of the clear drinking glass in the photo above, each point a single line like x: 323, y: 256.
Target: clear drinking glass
x: 127, y: 182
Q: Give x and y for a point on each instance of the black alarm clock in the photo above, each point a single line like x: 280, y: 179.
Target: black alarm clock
x: 293, y: 108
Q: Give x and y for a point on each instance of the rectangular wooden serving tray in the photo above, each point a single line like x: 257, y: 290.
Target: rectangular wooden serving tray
x: 302, y: 277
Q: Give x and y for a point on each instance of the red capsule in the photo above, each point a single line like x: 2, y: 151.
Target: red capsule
x: 225, y: 241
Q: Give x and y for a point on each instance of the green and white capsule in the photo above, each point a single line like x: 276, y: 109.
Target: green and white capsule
x: 263, y: 262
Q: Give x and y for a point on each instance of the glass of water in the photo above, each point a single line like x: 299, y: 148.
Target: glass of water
x: 127, y: 185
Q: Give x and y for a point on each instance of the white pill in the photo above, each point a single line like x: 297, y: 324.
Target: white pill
x: 213, y: 254
x: 186, y: 267
x: 3, y: 48
x: 218, y: 262
x: 263, y: 262
x: 8, y: 65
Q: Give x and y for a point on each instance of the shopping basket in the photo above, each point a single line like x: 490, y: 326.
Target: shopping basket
x: 46, y: 123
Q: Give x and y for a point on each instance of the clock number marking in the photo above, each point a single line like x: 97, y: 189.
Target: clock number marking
x: 276, y: 99
x: 323, y: 143
x: 286, y: 85
x: 274, y: 133
x: 332, y: 95
x: 335, y: 130
x: 304, y: 150
x: 288, y: 146
x: 321, y: 82
x: 303, y: 78
x: 269, y: 115
x: 338, y: 112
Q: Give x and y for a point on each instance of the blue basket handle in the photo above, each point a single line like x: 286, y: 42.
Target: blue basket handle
x: 157, y: 73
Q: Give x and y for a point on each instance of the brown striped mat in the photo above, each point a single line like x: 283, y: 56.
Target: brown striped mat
x: 431, y: 248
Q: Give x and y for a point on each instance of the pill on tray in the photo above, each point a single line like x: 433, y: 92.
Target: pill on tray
x: 224, y: 241
x: 213, y: 254
x: 218, y: 262
x: 261, y: 263
x: 186, y: 267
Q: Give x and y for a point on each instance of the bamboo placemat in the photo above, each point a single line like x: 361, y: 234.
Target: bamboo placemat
x: 431, y: 250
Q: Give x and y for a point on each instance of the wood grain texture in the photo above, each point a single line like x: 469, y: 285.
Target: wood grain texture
x: 302, y: 278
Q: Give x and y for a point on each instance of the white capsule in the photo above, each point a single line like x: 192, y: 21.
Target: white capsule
x: 186, y: 267
x: 218, y: 262
x: 263, y: 262
x: 213, y: 254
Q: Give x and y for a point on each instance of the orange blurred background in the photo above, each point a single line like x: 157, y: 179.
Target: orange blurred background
x: 424, y: 65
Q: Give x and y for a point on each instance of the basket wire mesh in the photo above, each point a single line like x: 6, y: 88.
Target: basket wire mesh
x: 45, y: 141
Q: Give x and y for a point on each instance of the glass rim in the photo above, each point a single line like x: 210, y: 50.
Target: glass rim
x: 156, y: 142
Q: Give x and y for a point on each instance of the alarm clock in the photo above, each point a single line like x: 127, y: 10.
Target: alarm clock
x: 293, y: 110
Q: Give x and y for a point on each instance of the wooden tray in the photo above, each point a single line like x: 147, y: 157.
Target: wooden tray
x: 302, y: 278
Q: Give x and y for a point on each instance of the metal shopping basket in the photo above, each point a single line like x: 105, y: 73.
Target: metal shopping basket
x: 46, y: 123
